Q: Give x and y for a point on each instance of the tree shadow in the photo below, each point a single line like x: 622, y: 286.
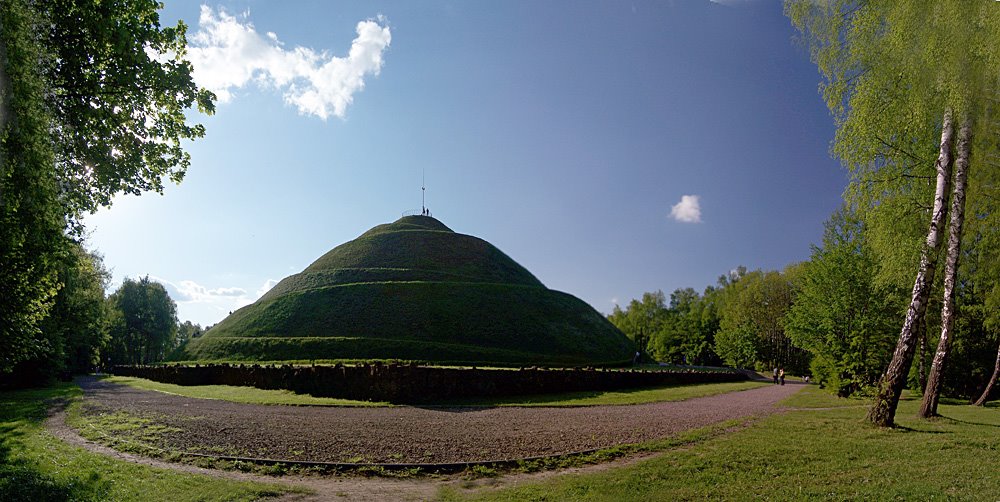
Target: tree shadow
x: 21, y: 478
x: 903, y: 428
x: 968, y: 422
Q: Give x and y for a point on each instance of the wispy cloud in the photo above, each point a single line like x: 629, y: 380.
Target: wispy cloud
x: 266, y: 287
x: 688, y: 210
x: 228, y: 54
x: 225, y: 298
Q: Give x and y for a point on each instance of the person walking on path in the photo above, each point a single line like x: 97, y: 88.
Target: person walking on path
x: 781, y: 376
x: 775, y: 375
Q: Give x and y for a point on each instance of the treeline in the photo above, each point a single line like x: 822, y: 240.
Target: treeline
x: 94, y: 102
x: 835, y: 317
x: 737, y: 322
x: 84, y: 329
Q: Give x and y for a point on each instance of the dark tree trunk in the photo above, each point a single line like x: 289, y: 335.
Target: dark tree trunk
x: 928, y: 407
x: 993, y: 380
x: 883, y: 411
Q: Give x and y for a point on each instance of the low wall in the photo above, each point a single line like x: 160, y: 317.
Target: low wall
x: 419, y: 384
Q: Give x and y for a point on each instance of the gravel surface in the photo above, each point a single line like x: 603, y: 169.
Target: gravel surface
x: 413, y: 434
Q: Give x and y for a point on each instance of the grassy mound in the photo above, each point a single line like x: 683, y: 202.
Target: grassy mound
x: 415, y: 290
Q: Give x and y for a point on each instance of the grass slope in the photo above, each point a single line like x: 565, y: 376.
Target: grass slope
x: 822, y: 451
x: 415, y: 290
x: 444, y: 322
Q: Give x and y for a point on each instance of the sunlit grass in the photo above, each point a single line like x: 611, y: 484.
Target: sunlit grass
x: 826, y: 453
x: 621, y: 397
x: 35, y: 465
x: 248, y: 395
x: 253, y: 395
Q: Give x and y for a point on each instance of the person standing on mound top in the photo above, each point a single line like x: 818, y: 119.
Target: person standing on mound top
x: 781, y: 376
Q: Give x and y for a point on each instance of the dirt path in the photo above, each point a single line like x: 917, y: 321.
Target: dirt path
x: 404, y: 434
x: 412, y: 434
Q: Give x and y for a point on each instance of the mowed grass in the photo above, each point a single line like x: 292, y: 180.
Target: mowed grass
x: 253, y: 395
x: 621, y: 397
x: 248, y: 395
x: 822, y: 451
x: 35, y: 465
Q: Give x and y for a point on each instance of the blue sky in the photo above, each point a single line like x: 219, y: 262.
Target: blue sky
x: 566, y: 133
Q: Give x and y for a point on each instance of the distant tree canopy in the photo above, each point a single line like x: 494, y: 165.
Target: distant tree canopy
x: 752, y: 331
x: 93, y: 96
x: 679, y: 332
x: 143, y: 323
x: 739, y: 322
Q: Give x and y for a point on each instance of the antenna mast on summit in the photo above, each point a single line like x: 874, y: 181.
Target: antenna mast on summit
x: 423, y: 191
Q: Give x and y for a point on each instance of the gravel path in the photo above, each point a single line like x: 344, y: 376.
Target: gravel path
x: 413, y: 434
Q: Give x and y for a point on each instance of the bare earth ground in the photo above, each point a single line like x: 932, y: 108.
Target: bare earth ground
x: 402, y: 434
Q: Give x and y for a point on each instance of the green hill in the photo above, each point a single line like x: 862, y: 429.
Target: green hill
x: 415, y: 290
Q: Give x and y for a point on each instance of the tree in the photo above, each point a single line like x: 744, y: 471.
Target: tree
x: 74, y: 329
x: 751, y: 330
x: 897, y: 74
x: 118, y: 90
x: 93, y: 98
x: 841, y: 314
x: 31, y: 218
x: 78, y: 318
x: 680, y: 332
x: 144, y: 323
x: 187, y: 331
x: 981, y: 401
x: 928, y: 406
x: 641, y: 319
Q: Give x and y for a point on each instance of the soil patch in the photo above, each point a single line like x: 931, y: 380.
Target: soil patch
x: 413, y: 435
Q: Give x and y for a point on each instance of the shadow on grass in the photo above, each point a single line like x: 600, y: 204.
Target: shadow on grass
x: 968, y: 422
x: 21, y: 479
x: 903, y: 428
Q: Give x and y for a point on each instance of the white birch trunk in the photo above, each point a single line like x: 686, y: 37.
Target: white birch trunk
x: 928, y: 407
x: 993, y: 380
x: 883, y: 411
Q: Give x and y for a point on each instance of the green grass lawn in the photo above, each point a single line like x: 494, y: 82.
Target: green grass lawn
x: 622, y: 397
x: 35, y: 465
x: 250, y: 395
x: 822, y: 451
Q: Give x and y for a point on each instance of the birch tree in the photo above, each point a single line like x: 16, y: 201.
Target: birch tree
x: 896, y: 76
x: 928, y: 406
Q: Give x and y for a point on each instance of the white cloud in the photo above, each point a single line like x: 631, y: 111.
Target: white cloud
x: 266, y: 287
x: 228, y: 54
x: 231, y: 298
x: 688, y: 210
